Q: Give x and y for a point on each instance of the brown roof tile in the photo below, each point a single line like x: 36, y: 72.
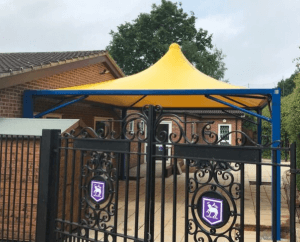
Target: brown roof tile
x: 10, y: 62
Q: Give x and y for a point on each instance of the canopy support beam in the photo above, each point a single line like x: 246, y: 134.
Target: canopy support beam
x: 64, y: 100
x: 238, y: 108
x: 235, y: 101
x: 138, y: 101
x: 59, y: 106
x: 239, y: 117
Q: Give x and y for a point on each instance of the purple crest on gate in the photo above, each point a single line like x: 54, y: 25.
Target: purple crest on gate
x: 97, y: 190
x: 212, y: 210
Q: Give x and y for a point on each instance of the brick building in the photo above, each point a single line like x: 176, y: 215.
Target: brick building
x: 19, y: 158
x: 52, y: 70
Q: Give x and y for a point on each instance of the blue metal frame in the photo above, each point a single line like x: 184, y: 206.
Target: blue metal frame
x: 152, y: 92
x: 238, y: 108
x: 60, y: 106
x: 27, y: 104
x: 276, y: 125
x: 275, y: 121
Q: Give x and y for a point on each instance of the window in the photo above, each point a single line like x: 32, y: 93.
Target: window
x: 103, y: 125
x: 193, y: 128
x: 141, y: 125
x: 131, y: 126
x: 223, y: 130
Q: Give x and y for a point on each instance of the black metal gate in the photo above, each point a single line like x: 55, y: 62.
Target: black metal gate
x: 107, y: 188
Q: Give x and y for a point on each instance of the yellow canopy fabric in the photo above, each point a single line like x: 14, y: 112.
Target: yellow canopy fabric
x: 172, y: 72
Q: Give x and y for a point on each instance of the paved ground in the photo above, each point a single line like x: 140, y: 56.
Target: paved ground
x: 250, y: 207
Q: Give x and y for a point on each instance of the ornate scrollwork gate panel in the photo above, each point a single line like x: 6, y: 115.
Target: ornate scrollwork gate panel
x: 96, y: 193
x: 215, y: 191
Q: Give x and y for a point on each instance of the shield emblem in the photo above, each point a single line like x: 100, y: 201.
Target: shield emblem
x: 98, y: 190
x: 212, y: 210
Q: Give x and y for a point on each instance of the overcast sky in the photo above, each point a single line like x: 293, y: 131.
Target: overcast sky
x: 259, y: 37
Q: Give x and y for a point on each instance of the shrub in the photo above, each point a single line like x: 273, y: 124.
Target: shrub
x: 291, y: 118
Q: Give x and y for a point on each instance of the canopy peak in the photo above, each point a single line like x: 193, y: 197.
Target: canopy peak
x: 174, y: 46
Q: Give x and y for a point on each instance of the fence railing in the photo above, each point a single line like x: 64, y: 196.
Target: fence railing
x: 19, y: 166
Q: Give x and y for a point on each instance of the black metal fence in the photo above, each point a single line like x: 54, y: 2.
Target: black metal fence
x: 19, y: 164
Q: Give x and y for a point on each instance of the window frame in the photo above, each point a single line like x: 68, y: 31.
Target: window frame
x: 219, y: 132
x: 131, y: 126
x: 142, y: 127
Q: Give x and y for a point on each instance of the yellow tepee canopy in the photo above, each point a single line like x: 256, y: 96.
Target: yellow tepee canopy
x: 172, y: 72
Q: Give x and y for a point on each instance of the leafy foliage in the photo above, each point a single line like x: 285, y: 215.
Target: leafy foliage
x: 297, y: 60
x: 287, y: 85
x: 137, y: 45
x: 266, y: 132
x: 291, y: 118
x: 249, y: 125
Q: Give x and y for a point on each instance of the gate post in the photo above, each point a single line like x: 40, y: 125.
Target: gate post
x: 293, y: 193
x: 48, y: 186
x: 122, y: 156
x: 150, y: 179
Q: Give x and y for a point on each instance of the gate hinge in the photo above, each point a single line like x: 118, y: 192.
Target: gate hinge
x: 295, y: 171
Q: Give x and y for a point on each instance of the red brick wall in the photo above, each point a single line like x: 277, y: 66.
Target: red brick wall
x: 236, y: 124
x: 85, y: 112
x: 11, y: 98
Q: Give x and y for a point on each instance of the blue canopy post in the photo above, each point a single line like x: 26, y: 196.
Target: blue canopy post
x: 27, y: 105
x: 276, y: 174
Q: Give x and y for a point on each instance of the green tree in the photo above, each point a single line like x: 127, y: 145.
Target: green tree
x: 138, y: 45
x: 297, y: 60
x: 291, y: 118
x: 287, y: 85
x: 249, y: 125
